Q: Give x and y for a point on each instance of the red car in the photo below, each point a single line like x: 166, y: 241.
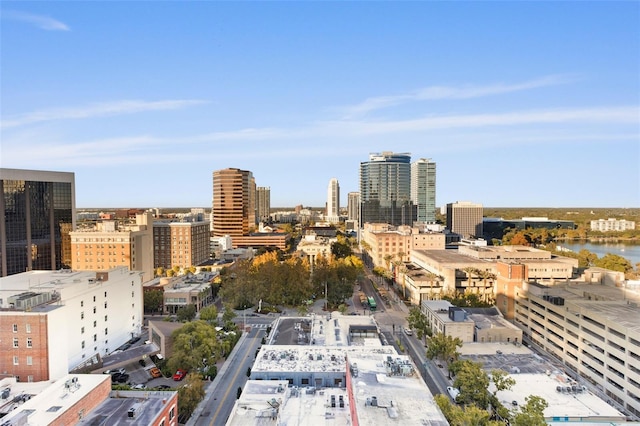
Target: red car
x: 180, y: 374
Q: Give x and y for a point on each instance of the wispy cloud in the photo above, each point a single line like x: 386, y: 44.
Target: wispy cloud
x: 96, y: 110
x: 42, y: 22
x: 449, y: 92
x: 613, y: 115
x: 32, y: 147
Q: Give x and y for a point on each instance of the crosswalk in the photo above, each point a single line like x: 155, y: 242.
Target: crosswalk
x: 262, y: 326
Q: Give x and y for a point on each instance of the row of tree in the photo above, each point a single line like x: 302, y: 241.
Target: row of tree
x: 291, y: 282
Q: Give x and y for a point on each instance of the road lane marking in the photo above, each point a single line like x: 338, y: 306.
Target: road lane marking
x: 226, y: 394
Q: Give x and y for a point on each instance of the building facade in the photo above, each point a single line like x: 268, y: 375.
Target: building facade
x: 603, y: 225
x: 37, y: 207
x: 353, y: 206
x: 593, y: 329
x: 385, y: 189
x: 233, y: 211
x: 333, y: 201
x: 263, y: 204
x: 182, y: 244
x: 465, y: 219
x: 111, y: 244
x: 54, y: 321
x: 423, y: 189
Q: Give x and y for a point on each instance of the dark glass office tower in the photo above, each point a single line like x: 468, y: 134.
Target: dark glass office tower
x: 38, y: 210
x: 385, y: 189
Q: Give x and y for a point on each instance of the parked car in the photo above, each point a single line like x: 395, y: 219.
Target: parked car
x: 155, y: 372
x: 408, y: 332
x: 139, y: 386
x: 142, y: 362
x: 120, y: 378
x: 180, y: 374
x: 163, y: 387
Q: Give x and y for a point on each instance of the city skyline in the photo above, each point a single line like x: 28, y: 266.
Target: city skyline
x: 519, y: 104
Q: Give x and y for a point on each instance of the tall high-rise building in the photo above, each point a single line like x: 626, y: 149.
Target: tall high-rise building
x: 423, y: 189
x: 37, y: 207
x: 465, y: 219
x: 385, y: 189
x: 353, y: 206
x: 263, y: 203
x: 233, y: 211
x: 333, y: 201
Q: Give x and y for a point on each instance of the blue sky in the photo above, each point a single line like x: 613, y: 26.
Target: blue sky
x: 519, y: 103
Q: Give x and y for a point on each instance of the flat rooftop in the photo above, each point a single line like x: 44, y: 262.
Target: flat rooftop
x: 114, y: 410
x: 332, y: 329
x: 618, y: 305
x: 273, y: 403
x: 387, y: 390
x: 573, y: 402
x: 48, y: 403
x: 451, y: 257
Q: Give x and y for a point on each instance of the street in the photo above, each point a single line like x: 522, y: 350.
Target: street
x: 221, y: 394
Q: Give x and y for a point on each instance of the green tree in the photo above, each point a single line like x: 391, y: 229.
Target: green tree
x: 501, y: 380
x: 153, y: 301
x: 419, y: 322
x: 443, y: 347
x: 464, y: 416
x: 209, y: 314
x: 341, y: 248
x: 532, y: 413
x: 190, y: 395
x: 473, y: 383
x: 186, y: 313
x: 614, y: 263
x: 227, y: 317
x: 195, y: 347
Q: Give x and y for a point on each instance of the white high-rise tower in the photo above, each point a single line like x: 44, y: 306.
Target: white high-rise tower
x: 333, y: 201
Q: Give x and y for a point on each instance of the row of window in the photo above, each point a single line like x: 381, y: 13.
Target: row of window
x: 16, y: 342
x: 29, y: 360
x: 27, y: 328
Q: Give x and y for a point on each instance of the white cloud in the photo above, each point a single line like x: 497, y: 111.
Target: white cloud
x: 446, y: 92
x: 96, y: 110
x: 42, y: 22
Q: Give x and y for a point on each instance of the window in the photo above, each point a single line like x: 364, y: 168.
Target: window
x: 132, y: 294
x: 95, y: 337
x: 82, y: 303
x: 105, y: 305
x: 106, y: 331
x: 28, y: 327
x: 81, y: 315
x: 95, y: 323
x: 105, y: 294
x: 105, y: 318
x: 15, y: 342
x: 15, y: 328
x: 29, y: 360
x: 83, y: 344
x: 29, y: 342
x: 94, y: 298
x: 172, y: 413
x: 15, y: 360
x: 81, y: 330
x: 94, y: 309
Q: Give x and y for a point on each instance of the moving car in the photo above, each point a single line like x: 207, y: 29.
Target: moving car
x: 408, y: 332
x: 180, y: 374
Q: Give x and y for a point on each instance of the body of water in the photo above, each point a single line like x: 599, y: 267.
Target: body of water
x: 629, y: 251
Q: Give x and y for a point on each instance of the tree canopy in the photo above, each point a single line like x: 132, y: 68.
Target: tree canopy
x: 443, y: 347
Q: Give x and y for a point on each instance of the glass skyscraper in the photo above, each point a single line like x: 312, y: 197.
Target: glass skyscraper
x: 385, y: 189
x: 423, y: 189
x: 38, y: 209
